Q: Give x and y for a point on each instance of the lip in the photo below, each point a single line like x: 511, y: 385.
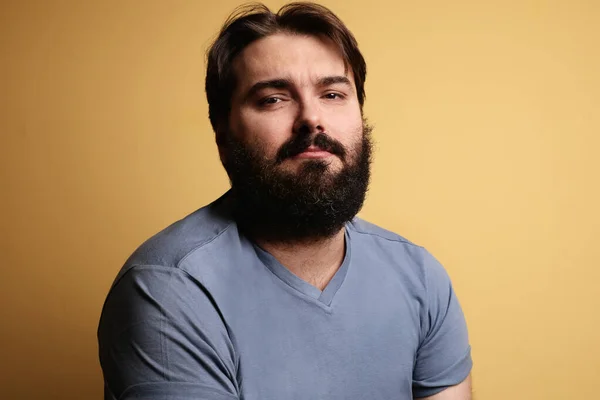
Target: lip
x: 314, y: 153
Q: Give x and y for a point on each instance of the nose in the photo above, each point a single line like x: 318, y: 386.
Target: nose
x: 309, y: 120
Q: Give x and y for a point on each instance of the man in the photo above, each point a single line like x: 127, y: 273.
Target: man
x: 276, y: 291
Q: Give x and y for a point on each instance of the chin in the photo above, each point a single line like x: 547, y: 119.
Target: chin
x: 317, y: 167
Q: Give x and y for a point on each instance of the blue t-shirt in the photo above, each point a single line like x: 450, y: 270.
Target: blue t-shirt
x: 201, y: 312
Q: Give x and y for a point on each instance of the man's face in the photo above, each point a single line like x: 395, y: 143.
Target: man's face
x: 291, y: 87
x: 296, y: 151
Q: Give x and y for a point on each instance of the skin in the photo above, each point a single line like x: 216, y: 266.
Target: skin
x: 286, y: 85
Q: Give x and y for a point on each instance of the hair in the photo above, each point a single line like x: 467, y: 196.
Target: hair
x: 252, y: 22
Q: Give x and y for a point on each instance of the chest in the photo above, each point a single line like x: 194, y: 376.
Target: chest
x: 365, y: 350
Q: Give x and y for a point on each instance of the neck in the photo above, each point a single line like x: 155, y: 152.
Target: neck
x: 314, y: 261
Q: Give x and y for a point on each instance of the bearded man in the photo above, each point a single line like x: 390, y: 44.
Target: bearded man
x: 276, y: 290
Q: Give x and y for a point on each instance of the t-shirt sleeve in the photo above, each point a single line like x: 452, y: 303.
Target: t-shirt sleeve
x: 444, y: 354
x: 162, y: 337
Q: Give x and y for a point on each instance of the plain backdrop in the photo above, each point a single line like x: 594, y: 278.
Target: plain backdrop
x: 487, y: 129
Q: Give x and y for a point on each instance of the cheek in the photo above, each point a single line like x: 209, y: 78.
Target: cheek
x: 264, y: 130
x: 348, y: 129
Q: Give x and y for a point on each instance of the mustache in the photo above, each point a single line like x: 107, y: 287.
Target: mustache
x: 300, y: 143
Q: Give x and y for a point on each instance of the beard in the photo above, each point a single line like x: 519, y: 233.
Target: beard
x: 310, y: 204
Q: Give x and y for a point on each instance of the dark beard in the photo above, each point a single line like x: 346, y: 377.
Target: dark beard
x: 309, y: 205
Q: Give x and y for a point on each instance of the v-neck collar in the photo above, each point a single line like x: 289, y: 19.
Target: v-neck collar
x: 324, y: 297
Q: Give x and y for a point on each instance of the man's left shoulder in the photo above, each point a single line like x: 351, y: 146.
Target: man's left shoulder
x: 391, y: 248
x: 379, y: 234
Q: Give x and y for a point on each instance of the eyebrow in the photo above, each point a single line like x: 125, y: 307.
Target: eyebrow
x: 332, y: 80
x: 268, y: 84
x: 286, y: 84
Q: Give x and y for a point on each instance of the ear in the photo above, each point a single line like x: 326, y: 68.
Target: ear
x: 222, y: 145
x: 222, y: 154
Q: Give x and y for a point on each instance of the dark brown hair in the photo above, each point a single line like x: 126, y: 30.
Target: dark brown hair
x: 255, y: 21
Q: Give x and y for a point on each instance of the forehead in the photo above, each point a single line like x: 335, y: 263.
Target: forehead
x: 300, y: 58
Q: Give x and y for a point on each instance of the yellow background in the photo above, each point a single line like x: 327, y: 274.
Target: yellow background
x: 487, y: 128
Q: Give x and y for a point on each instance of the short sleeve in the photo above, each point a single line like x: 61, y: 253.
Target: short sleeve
x: 162, y: 337
x: 444, y: 354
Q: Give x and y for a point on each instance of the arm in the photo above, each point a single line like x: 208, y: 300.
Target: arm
x: 162, y: 337
x: 462, y: 391
x: 443, y: 360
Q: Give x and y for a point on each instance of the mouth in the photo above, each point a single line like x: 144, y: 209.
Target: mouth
x: 313, y: 152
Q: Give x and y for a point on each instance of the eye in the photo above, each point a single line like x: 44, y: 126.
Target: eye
x: 333, y: 96
x: 270, y: 101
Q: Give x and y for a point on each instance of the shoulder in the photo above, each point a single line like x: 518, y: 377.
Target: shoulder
x: 412, y: 262
x: 380, y: 239
x: 169, y: 247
